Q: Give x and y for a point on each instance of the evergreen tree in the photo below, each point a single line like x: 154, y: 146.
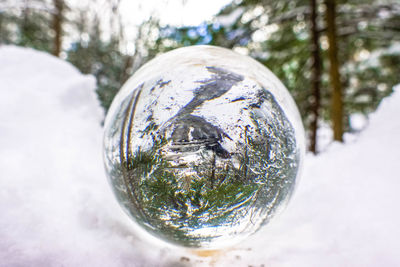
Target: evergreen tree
x: 7, y: 22
x: 34, y: 28
x: 36, y: 24
x: 337, y: 94
x: 58, y: 18
x: 104, y: 58
x: 316, y: 76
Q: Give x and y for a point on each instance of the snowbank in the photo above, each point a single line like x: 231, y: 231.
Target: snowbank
x: 58, y: 210
x: 55, y: 204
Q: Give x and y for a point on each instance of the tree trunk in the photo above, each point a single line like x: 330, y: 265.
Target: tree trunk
x: 57, y: 26
x: 126, y: 70
x: 25, y: 21
x: 337, y: 102
x: 315, y: 78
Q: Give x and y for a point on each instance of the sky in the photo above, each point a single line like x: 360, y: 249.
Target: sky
x: 176, y: 12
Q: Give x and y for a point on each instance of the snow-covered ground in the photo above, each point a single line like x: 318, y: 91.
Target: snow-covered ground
x: 57, y: 209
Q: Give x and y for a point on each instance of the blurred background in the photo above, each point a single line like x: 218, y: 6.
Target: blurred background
x: 338, y: 58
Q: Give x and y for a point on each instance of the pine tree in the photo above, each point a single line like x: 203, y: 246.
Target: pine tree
x: 337, y: 94
x: 316, y: 76
x: 58, y: 18
x: 33, y: 27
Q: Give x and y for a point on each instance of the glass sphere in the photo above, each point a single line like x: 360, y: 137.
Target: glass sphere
x: 202, y: 146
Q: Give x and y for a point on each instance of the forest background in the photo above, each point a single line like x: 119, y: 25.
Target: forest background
x: 338, y: 58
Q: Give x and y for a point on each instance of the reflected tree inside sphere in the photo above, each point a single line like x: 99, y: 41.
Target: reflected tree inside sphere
x: 202, y: 146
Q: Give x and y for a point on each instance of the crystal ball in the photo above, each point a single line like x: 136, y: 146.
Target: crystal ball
x: 202, y: 147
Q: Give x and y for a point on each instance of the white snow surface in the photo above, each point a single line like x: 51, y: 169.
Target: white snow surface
x: 57, y: 209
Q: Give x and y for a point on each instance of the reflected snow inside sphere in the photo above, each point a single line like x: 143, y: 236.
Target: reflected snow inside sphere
x: 202, y: 146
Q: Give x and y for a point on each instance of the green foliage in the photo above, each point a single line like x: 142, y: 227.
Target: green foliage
x: 105, y: 59
x: 7, y: 21
x: 26, y: 27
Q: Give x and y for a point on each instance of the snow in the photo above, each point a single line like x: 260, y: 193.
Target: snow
x: 57, y: 208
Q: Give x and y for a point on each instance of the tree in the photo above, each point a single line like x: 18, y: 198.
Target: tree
x: 366, y: 33
x: 101, y: 58
x: 104, y: 57
x: 58, y: 17
x: 316, y: 76
x: 33, y: 28
x: 7, y: 19
x: 337, y: 98
x: 35, y: 24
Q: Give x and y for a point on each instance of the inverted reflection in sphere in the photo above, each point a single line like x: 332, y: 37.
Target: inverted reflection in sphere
x: 202, y: 146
